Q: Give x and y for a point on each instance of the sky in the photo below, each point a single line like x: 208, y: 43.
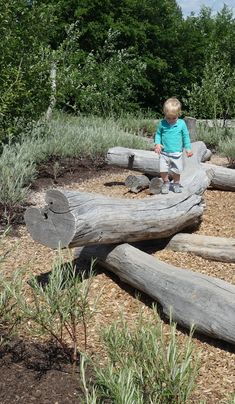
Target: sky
x: 194, y: 5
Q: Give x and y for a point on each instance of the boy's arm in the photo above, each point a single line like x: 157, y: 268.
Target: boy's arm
x: 158, y: 139
x: 186, y: 138
x: 158, y: 134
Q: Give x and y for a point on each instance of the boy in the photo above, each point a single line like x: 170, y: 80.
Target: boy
x: 170, y: 138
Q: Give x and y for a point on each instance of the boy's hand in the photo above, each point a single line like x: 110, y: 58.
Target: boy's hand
x: 158, y: 148
x: 189, y: 153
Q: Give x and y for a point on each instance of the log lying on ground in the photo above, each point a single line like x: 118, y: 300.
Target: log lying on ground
x: 223, y: 177
x: 191, y: 297
x: 214, y: 248
x: 73, y: 218
x: 147, y: 162
x: 136, y: 183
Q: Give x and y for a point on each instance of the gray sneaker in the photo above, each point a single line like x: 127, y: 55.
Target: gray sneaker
x: 177, y: 188
x: 165, y: 188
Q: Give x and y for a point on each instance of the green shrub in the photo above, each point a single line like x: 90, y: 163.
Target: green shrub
x: 138, y: 124
x: 214, y: 96
x: 64, y: 137
x: 57, y: 308
x: 227, y: 149
x: 214, y: 136
x: 9, y: 289
x: 144, y: 365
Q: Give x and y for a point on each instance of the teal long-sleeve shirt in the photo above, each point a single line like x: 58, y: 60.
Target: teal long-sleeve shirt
x: 174, y: 137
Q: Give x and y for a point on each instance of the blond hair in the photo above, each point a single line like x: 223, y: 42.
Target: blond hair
x: 172, y: 106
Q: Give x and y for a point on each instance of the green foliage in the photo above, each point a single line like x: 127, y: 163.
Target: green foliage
x: 227, y: 148
x: 9, y: 289
x: 214, y: 97
x: 103, y: 81
x: 144, y: 366
x: 16, y: 173
x: 138, y: 123
x: 60, y: 306
x: 110, y: 57
x: 24, y: 64
x: 65, y: 136
x: 213, y: 136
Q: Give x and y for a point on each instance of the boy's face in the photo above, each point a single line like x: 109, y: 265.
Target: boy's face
x: 171, y: 119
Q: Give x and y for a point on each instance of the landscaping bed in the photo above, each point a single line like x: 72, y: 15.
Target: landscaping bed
x: 34, y: 372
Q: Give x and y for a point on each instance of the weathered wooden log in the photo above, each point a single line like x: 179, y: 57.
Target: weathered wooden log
x: 214, y: 248
x: 136, y: 183
x: 191, y: 125
x: 223, y: 178
x: 147, y: 162
x: 190, y: 297
x: 73, y: 218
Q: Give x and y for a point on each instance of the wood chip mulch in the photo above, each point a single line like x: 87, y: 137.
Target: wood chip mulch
x: 216, y: 378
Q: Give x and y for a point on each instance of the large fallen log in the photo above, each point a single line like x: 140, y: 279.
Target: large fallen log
x: 147, y: 162
x: 214, y: 248
x: 72, y: 218
x: 190, y: 297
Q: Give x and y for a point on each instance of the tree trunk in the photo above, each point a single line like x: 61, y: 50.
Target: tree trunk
x: 147, y: 162
x: 214, y: 248
x: 190, y: 297
x: 73, y: 218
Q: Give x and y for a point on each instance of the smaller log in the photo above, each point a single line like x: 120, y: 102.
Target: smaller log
x: 155, y: 186
x: 206, y: 156
x: 191, y: 125
x: 213, y: 248
x: 223, y: 178
x: 136, y: 183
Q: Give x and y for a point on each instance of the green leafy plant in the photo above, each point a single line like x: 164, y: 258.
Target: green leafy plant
x: 227, y: 149
x: 213, y: 97
x: 59, y: 307
x: 144, y: 365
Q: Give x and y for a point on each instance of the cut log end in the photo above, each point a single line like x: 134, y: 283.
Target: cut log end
x: 136, y: 183
x: 49, y: 229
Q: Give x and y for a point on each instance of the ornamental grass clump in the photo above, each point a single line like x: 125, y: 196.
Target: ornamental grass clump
x: 10, y: 288
x: 59, y: 308
x: 144, y: 365
x: 227, y: 149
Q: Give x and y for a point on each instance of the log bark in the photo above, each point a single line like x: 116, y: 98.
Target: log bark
x: 72, y: 218
x: 190, y: 297
x: 147, y: 162
x: 213, y: 248
x: 136, y: 183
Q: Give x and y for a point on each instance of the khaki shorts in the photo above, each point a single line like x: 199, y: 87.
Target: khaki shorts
x: 171, y: 163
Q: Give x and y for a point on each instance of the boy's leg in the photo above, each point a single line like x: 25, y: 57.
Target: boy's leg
x: 176, y: 168
x: 176, y: 186
x: 166, y: 183
x: 164, y: 169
